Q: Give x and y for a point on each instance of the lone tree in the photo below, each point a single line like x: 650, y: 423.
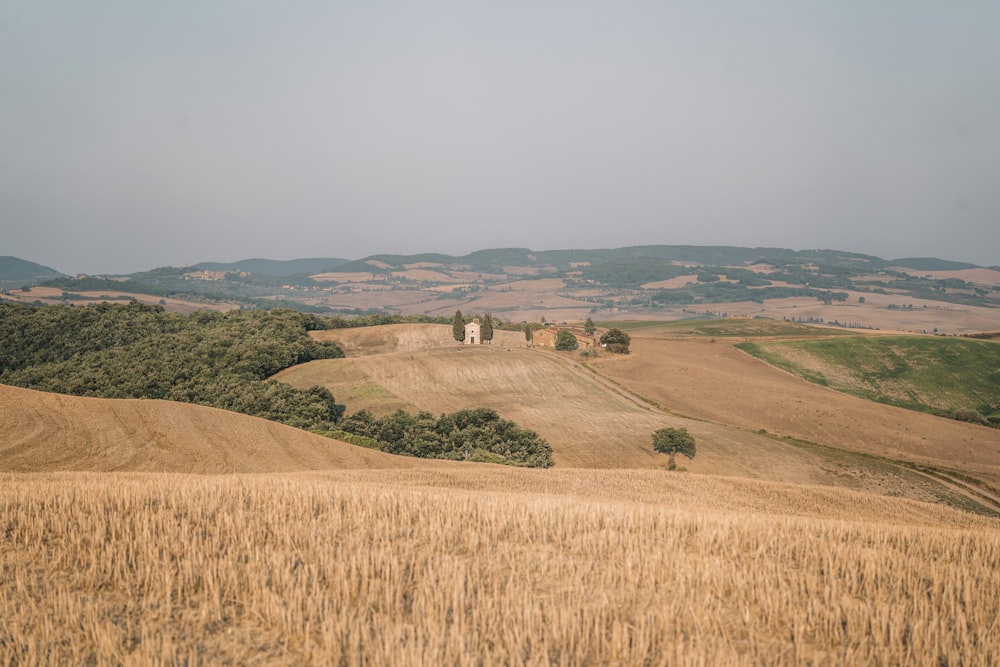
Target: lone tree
x: 616, y: 340
x: 486, y: 332
x: 589, y: 327
x: 674, y: 441
x: 566, y: 341
x: 458, y: 326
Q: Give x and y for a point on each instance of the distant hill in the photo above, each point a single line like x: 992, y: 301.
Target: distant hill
x: 13, y: 269
x: 275, y: 267
x: 931, y: 264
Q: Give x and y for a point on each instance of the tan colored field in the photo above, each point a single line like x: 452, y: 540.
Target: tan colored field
x: 990, y: 277
x: 716, y: 382
x: 530, y: 568
x: 672, y: 283
x: 51, y: 432
x: 348, y: 556
x: 52, y: 295
x: 334, y: 277
x: 592, y: 423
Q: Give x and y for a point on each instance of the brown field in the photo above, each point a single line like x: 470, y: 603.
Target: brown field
x: 672, y: 283
x: 50, y: 432
x: 53, y: 296
x: 124, y: 544
x: 990, y: 277
x: 334, y: 277
x: 593, y: 423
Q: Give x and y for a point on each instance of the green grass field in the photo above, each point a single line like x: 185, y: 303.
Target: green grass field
x: 924, y: 373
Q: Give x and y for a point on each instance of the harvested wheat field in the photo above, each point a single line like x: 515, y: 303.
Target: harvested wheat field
x: 51, y: 432
x: 716, y: 382
x: 493, y: 567
x: 594, y: 423
x: 767, y: 551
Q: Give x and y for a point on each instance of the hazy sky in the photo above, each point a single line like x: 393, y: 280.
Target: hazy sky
x: 139, y: 134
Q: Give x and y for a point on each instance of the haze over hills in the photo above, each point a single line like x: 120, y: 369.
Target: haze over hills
x: 518, y: 284
x: 13, y: 268
x: 16, y: 270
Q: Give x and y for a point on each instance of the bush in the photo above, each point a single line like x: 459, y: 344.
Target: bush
x: 139, y: 351
x: 467, y: 435
x: 566, y: 341
x: 616, y: 340
x: 971, y: 416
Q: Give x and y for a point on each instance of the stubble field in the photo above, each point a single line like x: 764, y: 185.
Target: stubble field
x: 564, y: 568
x: 767, y: 551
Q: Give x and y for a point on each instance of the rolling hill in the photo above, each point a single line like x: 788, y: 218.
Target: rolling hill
x: 46, y: 432
x: 16, y: 270
x: 331, y: 554
x: 779, y: 428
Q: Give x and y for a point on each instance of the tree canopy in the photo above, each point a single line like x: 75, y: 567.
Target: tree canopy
x: 486, y: 331
x: 616, y: 340
x: 674, y: 441
x: 467, y: 435
x: 133, y: 350
x: 458, y: 326
x: 566, y: 341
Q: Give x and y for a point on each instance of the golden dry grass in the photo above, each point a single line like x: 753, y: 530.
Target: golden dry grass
x: 52, y: 432
x: 591, y: 424
x: 530, y: 568
x: 362, y: 558
x: 714, y: 381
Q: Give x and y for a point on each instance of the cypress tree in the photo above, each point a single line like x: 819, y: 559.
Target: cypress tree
x: 487, y: 330
x: 458, y: 326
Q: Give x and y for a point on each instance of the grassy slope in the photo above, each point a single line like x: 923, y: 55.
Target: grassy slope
x: 915, y: 372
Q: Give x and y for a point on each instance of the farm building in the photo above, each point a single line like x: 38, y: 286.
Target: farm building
x: 473, y: 332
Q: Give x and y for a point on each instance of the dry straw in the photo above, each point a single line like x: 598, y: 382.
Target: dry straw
x: 486, y: 568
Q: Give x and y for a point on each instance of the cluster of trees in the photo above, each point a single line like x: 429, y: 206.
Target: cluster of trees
x: 223, y: 360
x: 467, y: 435
x: 139, y: 351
